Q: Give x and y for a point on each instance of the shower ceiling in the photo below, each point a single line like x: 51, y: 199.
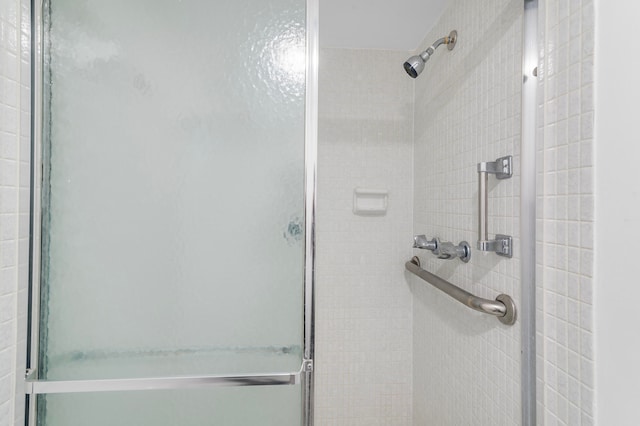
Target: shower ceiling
x: 377, y: 24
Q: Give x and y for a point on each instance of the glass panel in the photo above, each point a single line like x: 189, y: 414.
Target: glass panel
x: 220, y: 406
x: 173, y: 236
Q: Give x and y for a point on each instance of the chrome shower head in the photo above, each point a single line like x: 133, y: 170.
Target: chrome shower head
x: 415, y: 64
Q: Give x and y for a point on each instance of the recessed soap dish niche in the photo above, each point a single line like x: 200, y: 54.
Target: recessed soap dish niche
x: 370, y: 202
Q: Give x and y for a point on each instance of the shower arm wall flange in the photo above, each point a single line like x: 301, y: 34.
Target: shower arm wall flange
x: 452, y: 39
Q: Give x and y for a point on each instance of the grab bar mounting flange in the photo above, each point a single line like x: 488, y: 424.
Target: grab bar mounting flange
x: 502, y: 167
x: 510, y: 317
x: 502, y: 245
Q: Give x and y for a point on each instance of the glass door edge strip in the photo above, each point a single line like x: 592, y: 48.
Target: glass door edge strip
x: 34, y: 386
x: 310, y: 183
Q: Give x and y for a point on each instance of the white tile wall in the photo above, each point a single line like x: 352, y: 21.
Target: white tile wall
x: 14, y: 203
x: 363, y: 319
x: 565, y: 359
x: 467, y: 365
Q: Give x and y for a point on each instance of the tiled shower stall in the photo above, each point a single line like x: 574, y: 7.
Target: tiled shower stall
x: 421, y: 140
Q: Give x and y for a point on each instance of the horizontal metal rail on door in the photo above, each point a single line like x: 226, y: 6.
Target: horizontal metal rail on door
x: 34, y: 386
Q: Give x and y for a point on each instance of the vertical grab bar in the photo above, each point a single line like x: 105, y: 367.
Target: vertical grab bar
x: 483, y: 233
x: 502, y: 244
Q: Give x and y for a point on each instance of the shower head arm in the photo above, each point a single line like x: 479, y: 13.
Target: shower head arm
x: 450, y: 39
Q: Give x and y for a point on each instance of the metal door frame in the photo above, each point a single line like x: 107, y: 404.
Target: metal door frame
x: 304, y: 376
x: 528, y: 211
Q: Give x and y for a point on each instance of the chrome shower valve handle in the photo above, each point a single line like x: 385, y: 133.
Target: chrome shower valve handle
x: 421, y: 242
x: 446, y: 250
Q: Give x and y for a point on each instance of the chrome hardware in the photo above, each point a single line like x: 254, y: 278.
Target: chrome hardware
x: 444, y: 250
x: 415, y: 64
x: 452, y: 251
x: 510, y: 317
x: 503, y: 169
x: 34, y: 386
x: 452, y: 39
x: 421, y: 242
x: 29, y: 374
x: 501, y: 245
x: 503, y: 307
x: 307, y: 365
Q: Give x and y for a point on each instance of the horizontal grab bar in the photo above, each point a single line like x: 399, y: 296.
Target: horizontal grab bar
x: 503, y: 307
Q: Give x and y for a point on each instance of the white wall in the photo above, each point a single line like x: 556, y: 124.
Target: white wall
x: 467, y: 365
x: 617, y: 343
x: 14, y: 204
x: 564, y: 270
x: 363, y: 319
x: 377, y: 24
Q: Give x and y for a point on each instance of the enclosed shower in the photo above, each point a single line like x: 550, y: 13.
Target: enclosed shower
x: 188, y: 267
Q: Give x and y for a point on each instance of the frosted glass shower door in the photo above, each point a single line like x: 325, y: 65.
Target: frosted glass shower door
x: 172, y: 236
